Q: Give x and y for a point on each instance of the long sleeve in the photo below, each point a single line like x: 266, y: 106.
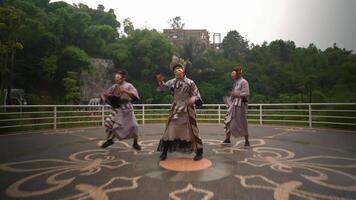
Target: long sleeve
x: 195, y: 91
x: 133, y: 91
x: 245, y: 89
x: 164, y: 86
x: 241, y: 86
x: 111, y: 89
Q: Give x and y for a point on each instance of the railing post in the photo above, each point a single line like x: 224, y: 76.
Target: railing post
x: 310, y: 117
x: 103, y: 115
x: 261, y: 120
x: 219, y: 112
x: 21, y: 122
x: 55, y: 117
x: 143, y: 114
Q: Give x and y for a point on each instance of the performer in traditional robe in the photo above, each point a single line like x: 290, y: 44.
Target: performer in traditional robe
x: 236, y: 118
x: 122, y: 122
x: 181, y: 133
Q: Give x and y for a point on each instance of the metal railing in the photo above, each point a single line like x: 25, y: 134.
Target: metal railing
x: 30, y: 117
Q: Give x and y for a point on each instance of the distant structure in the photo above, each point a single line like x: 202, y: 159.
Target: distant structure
x: 94, y: 101
x: 17, y: 97
x: 179, y: 36
x: 216, y: 41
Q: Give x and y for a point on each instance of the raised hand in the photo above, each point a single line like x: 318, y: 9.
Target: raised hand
x: 160, y: 77
x: 191, y: 101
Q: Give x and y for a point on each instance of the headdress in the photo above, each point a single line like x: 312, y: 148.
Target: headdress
x: 176, y: 61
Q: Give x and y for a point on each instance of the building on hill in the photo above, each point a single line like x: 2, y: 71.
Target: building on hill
x: 179, y: 36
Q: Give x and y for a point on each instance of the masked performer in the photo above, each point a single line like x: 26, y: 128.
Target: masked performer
x: 181, y: 133
x: 122, y: 122
x: 236, y: 118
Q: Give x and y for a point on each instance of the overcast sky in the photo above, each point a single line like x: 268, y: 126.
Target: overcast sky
x: 322, y: 22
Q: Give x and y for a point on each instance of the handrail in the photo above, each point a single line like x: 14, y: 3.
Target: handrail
x: 18, y: 117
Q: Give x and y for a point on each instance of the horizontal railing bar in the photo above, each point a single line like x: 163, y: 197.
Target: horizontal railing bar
x: 79, y: 117
x: 51, y: 106
x: 146, y: 109
x: 151, y: 105
x: 153, y: 114
x: 154, y: 119
x: 210, y: 110
x: 278, y: 112
x: 207, y: 119
x: 276, y: 120
x: 16, y: 113
x: 23, y: 119
x: 78, y: 122
x: 284, y: 110
x: 80, y: 111
x: 279, y: 115
x: 339, y: 117
x: 335, y: 123
x: 24, y: 125
x: 300, y: 104
x: 313, y: 110
x: 155, y: 105
x: 202, y: 114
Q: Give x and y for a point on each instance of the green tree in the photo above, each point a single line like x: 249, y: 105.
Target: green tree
x: 208, y: 92
x: 235, y: 46
x: 72, y: 59
x: 128, y: 25
x: 71, y: 84
x: 49, y: 66
x: 97, y: 39
x: 11, y: 20
x: 143, y: 53
x: 176, y: 23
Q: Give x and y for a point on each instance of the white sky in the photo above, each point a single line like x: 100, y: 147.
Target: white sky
x: 322, y: 22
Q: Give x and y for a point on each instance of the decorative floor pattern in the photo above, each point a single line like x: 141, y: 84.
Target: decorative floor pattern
x: 273, y: 167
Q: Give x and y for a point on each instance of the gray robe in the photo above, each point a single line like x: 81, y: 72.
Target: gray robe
x: 236, y: 117
x: 181, y: 133
x: 122, y: 122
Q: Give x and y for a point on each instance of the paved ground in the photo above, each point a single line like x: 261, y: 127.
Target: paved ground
x: 282, y: 163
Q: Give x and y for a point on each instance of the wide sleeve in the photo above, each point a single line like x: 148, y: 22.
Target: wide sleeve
x: 106, y: 97
x: 111, y: 89
x: 245, y: 89
x: 196, y: 94
x: 195, y: 91
x: 164, y: 86
x: 133, y: 91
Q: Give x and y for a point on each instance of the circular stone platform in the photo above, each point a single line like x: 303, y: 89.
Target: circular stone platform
x: 185, y: 164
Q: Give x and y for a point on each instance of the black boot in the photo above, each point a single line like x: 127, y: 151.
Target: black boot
x: 107, y: 143
x: 247, y: 143
x: 198, y: 155
x: 227, y: 141
x: 163, y: 155
x: 136, y: 146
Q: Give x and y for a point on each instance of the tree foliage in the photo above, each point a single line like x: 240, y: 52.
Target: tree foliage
x: 44, y: 46
x: 176, y: 23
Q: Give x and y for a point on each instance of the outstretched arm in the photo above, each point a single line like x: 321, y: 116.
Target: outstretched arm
x: 163, y: 86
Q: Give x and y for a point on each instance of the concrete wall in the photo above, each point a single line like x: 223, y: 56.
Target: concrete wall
x: 93, y: 83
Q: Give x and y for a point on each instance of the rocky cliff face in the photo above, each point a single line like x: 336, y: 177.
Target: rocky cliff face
x: 93, y: 83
